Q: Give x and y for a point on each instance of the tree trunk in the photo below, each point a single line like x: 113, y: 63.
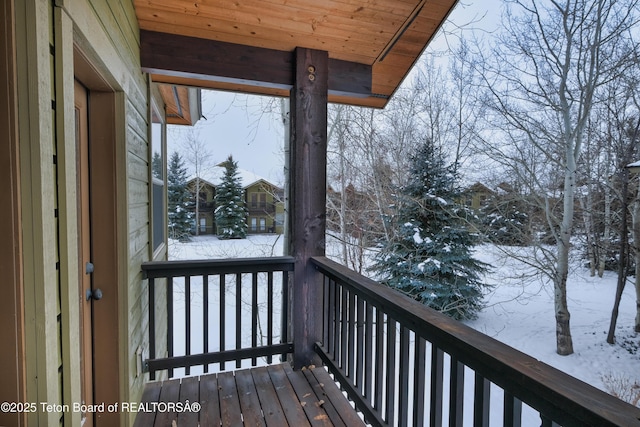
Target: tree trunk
x: 588, y: 226
x: 197, y: 205
x: 622, y: 266
x: 564, y: 343
x: 636, y: 248
x: 635, y: 227
x: 606, y: 237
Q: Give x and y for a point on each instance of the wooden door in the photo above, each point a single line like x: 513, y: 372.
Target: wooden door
x: 86, y: 268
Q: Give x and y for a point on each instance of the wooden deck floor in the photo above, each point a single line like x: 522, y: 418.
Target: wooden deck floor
x: 265, y: 396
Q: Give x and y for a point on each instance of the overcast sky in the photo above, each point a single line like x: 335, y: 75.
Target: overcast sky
x: 250, y: 127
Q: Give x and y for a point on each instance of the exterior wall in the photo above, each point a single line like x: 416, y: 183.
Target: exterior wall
x: 46, y: 371
x: 106, y: 33
x: 269, y: 212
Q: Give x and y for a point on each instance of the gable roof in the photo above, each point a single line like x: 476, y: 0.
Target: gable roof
x: 248, y: 46
x: 213, y: 176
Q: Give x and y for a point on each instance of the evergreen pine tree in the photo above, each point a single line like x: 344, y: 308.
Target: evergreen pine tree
x: 429, y: 256
x: 156, y: 165
x: 231, y: 213
x: 504, y: 221
x: 180, y: 217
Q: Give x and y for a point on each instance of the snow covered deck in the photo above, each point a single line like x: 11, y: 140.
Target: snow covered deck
x: 272, y: 396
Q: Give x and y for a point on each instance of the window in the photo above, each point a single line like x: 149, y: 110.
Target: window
x: 279, y: 219
x: 158, y: 177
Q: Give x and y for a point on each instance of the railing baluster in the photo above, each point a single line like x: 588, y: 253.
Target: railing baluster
x: 379, y: 359
x: 170, y: 320
x: 336, y: 323
x: 351, y: 337
x: 205, y: 318
x: 391, y: 371
x: 368, y: 353
x: 344, y: 328
x: 360, y: 322
x: 152, y: 324
x: 254, y: 314
x: 403, y: 395
x: 187, y: 320
x: 437, y: 380
x: 284, y: 329
x: 419, y: 380
x: 481, y: 401
x: 238, y: 317
x: 269, y: 313
x: 326, y: 307
x: 223, y: 327
x: 512, y: 410
x: 330, y: 316
x: 456, y: 392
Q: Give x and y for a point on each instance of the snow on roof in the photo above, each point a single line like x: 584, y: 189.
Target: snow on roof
x: 634, y: 164
x: 214, y: 177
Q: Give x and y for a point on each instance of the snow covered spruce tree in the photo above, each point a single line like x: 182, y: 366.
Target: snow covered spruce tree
x: 231, y: 213
x: 429, y: 255
x: 178, y: 199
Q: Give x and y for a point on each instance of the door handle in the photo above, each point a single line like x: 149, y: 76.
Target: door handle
x: 96, y: 295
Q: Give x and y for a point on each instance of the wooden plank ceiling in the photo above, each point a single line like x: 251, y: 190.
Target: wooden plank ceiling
x: 247, y: 45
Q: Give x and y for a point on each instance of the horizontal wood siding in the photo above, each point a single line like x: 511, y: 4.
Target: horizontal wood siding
x: 139, y: 232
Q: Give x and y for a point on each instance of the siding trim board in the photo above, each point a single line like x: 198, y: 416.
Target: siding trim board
x: 12, y: 364
x: 34, y: 30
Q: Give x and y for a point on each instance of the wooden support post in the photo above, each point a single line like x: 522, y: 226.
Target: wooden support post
x: 307, y: 197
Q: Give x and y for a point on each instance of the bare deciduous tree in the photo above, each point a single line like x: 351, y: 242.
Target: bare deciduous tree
x: 543, y: 75
x: 199, y: 159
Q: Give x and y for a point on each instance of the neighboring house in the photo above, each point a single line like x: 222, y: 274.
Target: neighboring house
x: 264, y: 202
x: 265, y: 207
x: 476, y: 195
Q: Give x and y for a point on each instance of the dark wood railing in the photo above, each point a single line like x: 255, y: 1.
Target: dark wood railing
x: 238, y: 291
x: 404, y: 364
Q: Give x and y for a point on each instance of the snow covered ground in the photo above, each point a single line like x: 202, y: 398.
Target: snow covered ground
x: 520, y: 313
x: 519, y: 310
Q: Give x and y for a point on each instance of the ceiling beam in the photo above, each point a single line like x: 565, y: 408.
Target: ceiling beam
x: 221, y: 64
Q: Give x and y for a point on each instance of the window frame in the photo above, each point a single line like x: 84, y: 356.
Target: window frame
x: 157, y: 185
